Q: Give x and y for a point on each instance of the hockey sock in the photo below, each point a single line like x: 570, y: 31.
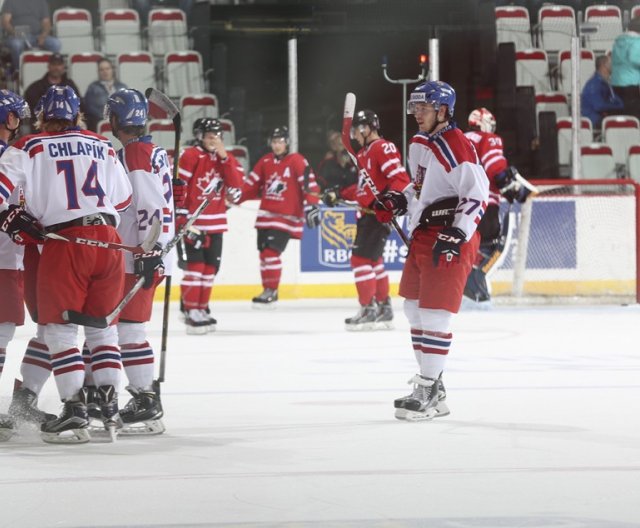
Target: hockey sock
x: 36, y: 365
x: 208, y: 276
x: 382, y: 281
x: 106, y: 363
x: 3, y: 355
x: 66, y: 359
x: 435, y: 348
x: 137, y: 354
x: 270, y: 268
x: 7, y: 330
x: 365, y: 279
x: 86, y: 357
x: 191, y: 285
x: 412, y: 311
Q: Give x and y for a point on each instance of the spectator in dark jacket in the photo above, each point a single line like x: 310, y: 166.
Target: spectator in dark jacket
x: 99, y: 91
x: 598, y: 99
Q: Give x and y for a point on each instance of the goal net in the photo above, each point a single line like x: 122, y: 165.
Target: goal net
x: 575, y: 240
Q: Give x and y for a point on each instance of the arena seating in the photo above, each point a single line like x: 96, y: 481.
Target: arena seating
x: 136, y: 70
x: 33, y: 65
x: 513, y: 25
x: 563, y: 127
x: 74, y: 29
x: 196, y: 106
x: 608, y: 19
x: 633, y: 163
x: 120, y: 31
x: 183, y: 73
x: 620, y: 133
x: 597, y: 162
x: 167, y: 31
x: 83, y: 69
x: 532, y: 69
x: 557, y: 24
x: 587, y: 69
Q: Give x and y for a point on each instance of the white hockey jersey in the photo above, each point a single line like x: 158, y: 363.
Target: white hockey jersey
x: 10, y: 253
x: 445, y: 165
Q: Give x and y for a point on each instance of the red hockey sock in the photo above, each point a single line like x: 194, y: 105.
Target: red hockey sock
x: 270, y: 268
x: 382, y: 281
x: 208, y: 276
x: 365, y: 279
x: 191, y: 285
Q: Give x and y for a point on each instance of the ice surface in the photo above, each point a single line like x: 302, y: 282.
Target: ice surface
x: 283, y: 419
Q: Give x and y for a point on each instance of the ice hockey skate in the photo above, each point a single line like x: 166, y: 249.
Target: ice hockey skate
x: 365, y: 319
x: 71, y: 427
x: 23, y: 407
x: 195, y: 322
x: 427, y: 401
x: 6, y: 427
x: 384, y: 317
x: 210, y: 320
x: 93, y: 410
x: 109, y: 410
x: 267, y: 300
x: 142, y: 414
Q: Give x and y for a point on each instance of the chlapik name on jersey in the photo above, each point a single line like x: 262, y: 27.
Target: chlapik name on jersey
x: 65, y: 149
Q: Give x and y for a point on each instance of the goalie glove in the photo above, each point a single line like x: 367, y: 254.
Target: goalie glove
x: 446, y: 250
x: 312, y: 215
x: 390, y: 204
x: 179, y: 192
x: 21, y: 226
x: 147, y: 264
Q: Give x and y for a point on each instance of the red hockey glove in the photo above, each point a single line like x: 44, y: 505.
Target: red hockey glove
x: 179, y: 192
x: 21, y: 226
x: 147, y: 264
x: 390, y: 204
x: 446, y: 250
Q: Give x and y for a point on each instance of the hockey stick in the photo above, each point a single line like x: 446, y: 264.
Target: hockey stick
x: 160, y: 99
x: 145, y: 247
x: 347, y: 119
x: 79, y: 318
x: 291, y: 218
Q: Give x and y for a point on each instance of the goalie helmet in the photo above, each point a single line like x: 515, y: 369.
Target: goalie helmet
x: 483, y: 120
x: 59, y: 102
x: 366, y: 117
x: 436, y: 93
x: 129, y: 107
x: 280, y: 133
x: 12, y: 103
x: 204, y: 125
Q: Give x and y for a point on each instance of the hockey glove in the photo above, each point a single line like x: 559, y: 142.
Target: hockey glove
x: 194, y: 237
x: 21, y: 226
x: 312, y: 215
x: 390, y: 204
x: 179, y: 192
x: 234, y: 194
x: 147, y: 264
x: 330, y: 197
x: 510, y: 187
x: 446, y: 250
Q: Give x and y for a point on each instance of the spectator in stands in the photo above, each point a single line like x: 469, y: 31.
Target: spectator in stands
x: 598, y: 99
x: 336, y: 169
x: 625, y: 67
x: 27, y: 24
x: 144, y: 6
x: 99, y: 91
x: 56, y: 74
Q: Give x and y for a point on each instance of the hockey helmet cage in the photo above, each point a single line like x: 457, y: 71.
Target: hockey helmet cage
x: 366, y: 117
x: 59, y: 102
x: 12, y: 102
x: 280, y: 133
x: 129, y: 107
x: 203, y: 125
x: 436, y: 93
x: 483, y: 120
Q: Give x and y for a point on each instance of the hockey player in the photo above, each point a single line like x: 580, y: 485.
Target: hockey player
x: 74, y: 184
x: 207, y: 164
x: 149, y: 172
x: 289, y: 194
x: 445, y: 204
x: 381, y: 160
x: 503, y: 181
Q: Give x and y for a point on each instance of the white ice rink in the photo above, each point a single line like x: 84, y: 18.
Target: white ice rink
x: 283, y: 419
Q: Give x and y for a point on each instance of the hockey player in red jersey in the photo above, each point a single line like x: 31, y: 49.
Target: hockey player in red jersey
x: 205, y: 165
x: 149, y: 172
x: 445, y: 205
x: 73, y: 184
x: 289, y: 196
x: 503, y: 181
x: 381, y: 160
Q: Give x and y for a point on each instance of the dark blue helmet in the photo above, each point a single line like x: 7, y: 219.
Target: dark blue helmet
x: 280, y: 133
x: 11, y: 102
x: 366, y: 117
x: 129, y: 106
x: 59, y: 102
x: 434, y: 92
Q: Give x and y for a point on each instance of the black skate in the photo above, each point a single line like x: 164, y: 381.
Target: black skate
x: 93, y: 410
x: 196, y: 323
x: 365, y: 319
x: 384, y: 318
x: 109, y: 410
x: 266, y: 300
x: 211, y: 321
x: 427, y: 401
x: 142, y: 414
x: 71, y: 426
x: 23, y: 407
x: 6, y: 427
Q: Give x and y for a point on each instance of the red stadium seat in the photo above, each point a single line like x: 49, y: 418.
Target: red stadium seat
x: 167, y: 31
x: 608, y: 20
x: 557, y: 24
x: 120, y: 31
x: 597, y: 162
x: 136, y: 70
x: 532, y: 69
x: 513, y: 25
x: 563, y: 127
x: 33, y: 66
x: 74, y: 30
x: 183, y: 73
x: 620, y: 133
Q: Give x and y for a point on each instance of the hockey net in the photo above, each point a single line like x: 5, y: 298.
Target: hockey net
x: 574, y: 241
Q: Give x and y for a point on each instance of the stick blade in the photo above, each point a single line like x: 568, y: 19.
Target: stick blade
x: 160, y: 99
x: 71, y: 316
x: 154, y: 233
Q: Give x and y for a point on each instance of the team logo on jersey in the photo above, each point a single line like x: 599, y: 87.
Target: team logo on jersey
x: 211, y: 180
x: 337, y: 234
x: 419, y: 178
x: 276, y: 188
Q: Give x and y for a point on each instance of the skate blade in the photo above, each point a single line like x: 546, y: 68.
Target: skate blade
x: 384, y: 325
x: 196, y: 330
x: 112, y: 431
x: 148, y: 428
x: 211, y: 329
x: 5, y: 434
x: 72, y: 436
x: 417, y: 416
x: 363, y: 327
x: 443, y: 409
x: 263, y: 306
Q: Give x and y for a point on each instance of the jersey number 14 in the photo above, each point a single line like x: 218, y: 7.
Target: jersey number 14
x: 90, y: 187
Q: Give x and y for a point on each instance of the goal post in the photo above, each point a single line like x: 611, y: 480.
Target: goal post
x: 573, y: 240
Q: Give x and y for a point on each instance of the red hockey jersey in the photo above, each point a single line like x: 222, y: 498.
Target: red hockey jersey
x: 382, y: 161
x: 491, y: 153
x: 284, y: 190
x: 199, y: 168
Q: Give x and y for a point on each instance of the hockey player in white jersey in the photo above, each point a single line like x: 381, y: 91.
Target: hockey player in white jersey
x: 445, y: 204
x: 73, y: 184
x: 149, y: 172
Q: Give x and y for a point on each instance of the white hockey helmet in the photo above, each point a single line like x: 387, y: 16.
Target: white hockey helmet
x: 482, y: 119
